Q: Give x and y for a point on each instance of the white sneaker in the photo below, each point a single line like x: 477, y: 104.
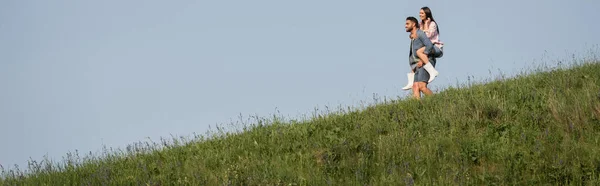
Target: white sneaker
x: 431, y: 70
x: 411, y: 78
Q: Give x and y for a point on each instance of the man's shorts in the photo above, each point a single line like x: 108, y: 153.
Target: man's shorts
x: 421, y: 75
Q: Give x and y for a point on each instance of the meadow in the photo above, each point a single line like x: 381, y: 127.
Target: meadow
x: 541, y: 127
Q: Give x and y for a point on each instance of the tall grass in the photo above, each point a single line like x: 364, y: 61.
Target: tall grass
x: 538, y: 128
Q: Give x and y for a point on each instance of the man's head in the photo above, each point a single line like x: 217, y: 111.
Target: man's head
x: 411, y: 24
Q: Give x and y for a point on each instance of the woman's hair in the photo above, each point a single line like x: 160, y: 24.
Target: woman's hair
x: 430, y: 16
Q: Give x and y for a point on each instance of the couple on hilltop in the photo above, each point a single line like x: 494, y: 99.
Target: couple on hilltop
x: 425, y: 47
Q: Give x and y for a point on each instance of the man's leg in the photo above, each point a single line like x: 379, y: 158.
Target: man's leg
x: 416, y: 90
x: 423, y: 88
x: 419, y: 87
x: 421, y: 76
x: 420, y: 84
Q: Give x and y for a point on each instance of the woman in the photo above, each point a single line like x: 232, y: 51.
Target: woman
x: 429, y: 27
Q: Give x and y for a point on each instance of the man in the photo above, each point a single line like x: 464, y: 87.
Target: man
x: 418, y: 40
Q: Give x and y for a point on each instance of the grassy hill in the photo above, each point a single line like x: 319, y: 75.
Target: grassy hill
x: 533, y: 129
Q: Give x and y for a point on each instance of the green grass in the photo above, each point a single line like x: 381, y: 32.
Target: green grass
x: 539, y: 128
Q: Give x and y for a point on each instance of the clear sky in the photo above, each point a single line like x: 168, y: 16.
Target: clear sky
x: 83, y: 74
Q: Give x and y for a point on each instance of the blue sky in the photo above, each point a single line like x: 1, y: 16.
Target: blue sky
x: 83, y: 74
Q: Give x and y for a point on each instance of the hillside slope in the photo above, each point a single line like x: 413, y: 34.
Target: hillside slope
x: 535, y: 129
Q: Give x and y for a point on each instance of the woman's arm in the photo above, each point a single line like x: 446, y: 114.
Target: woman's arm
x: 430, y: 30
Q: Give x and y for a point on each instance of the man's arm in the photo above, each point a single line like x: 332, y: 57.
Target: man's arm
x: 428, y: 45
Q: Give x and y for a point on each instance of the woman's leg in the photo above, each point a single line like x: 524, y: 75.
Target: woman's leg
x: 422, y: 56
x: 439, y: 52
x: 430, y: 69
x: 411, y: 78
